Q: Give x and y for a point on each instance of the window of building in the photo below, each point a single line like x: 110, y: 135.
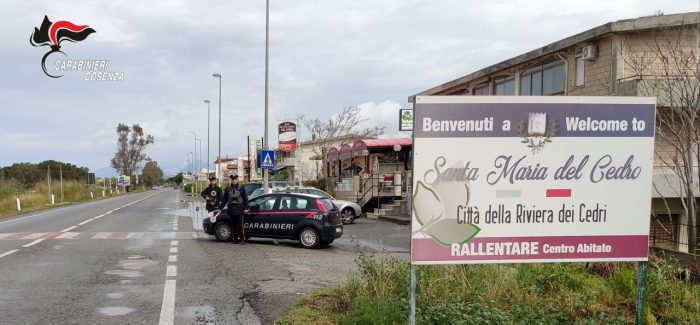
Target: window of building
x: 505, y: 87
x: 579, y: 70
x: 546, y: 79
x: 482, y: 90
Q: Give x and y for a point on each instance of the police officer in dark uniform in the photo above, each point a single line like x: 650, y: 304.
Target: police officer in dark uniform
x: 236, y: 199
x: 212, y: 194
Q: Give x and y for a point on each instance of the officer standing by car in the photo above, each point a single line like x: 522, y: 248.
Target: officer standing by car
x: 236, y: 199
x: 212, y: 194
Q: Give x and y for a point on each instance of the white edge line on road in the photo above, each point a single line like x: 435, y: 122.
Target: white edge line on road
x: 68, y: 229
x: 9, y: 252
x: 86, y: 221
x: 60, y: 209
x: 174, y: 243
x: 173, y: 250
x: 172, y: 258
x: 171, y: 270
x: 33, y: 243
x: 167, y: 310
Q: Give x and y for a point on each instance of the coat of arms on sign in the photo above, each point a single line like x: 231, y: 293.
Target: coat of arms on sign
x: 538, y: 134
x: 537, y: 124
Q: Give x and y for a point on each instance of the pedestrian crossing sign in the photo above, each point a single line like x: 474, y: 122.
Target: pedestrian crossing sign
x: 267, y: 159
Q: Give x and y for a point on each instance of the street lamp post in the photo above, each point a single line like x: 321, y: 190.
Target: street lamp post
x: 194, y: 159
x: 199, y: 169
x: 208, y: 122
x: 267, y: 55
x: 218, y: 75
x: 397, y: 148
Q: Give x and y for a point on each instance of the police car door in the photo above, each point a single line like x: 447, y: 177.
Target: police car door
x: 257, y: 220
x: 292, y: 210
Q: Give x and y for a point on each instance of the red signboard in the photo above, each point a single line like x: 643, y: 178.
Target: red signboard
x: 287, y: 136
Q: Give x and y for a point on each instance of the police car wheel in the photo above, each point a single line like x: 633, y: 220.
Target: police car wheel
x: 223, y: 232
x: 309, y: 238
x: 348, y: 216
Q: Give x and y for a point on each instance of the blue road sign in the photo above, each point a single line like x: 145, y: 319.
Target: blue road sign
x: 267, y: 159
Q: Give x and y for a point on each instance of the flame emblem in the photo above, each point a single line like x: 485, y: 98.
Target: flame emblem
x: 52, y: 34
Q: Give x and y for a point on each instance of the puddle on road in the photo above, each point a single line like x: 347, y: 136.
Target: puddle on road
x: 115, y: 295
x: 183, y: 212
x: 137, y: 263
x: 198, y: 314
x: 115, y: 311
x: 125, y: 273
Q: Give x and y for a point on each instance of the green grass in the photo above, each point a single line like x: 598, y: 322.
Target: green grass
x: 552, y: 293
x: 37, y: 198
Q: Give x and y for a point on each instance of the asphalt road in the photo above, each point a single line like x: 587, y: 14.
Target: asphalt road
x: 136, y: 259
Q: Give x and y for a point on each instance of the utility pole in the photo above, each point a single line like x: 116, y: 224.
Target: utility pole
x: 60, y: 171
x: 267, y: 56
x: 218, y: 75
x: 48, y: 180
x: 208, y: 122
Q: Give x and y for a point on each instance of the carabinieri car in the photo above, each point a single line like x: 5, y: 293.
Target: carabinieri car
x: 311, y: 219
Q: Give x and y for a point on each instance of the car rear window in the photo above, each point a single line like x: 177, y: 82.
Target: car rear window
x: 328, y: 203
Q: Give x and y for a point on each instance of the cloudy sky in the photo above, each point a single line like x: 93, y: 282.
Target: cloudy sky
x: 324, y: 55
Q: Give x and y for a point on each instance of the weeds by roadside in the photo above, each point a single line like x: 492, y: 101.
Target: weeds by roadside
x: 551, y: 293
x: 37, y: 197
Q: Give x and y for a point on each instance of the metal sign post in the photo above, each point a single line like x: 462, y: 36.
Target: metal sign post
x: 412, y: 267
x: 641, y: 292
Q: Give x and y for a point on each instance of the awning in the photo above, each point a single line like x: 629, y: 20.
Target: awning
x: 345, y: 152
x: 370, y: 144
x: 332, y: 154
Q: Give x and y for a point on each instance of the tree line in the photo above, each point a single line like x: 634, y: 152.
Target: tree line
x: 29, y: 174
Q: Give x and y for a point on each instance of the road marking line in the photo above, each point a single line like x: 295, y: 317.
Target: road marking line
x: 175, y: 228
x: 68, y: 235
x: 172, y: 258
x: 171, y: 270
x: 102, y: 235
x: 9, y: 252
x: 84, y: 222
x: 174, y: 243
x: 33, y: 243
x: 69, y: 229
x: 173, y: 250
x: 5, y: 235
x: 134, y: 235
x: 167, y: 310
x: 34, y: 235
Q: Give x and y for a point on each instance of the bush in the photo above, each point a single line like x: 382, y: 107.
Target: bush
x: 187, y: 188
x: 379, y: 311
x: 319, y: 183
x: 539, y: 293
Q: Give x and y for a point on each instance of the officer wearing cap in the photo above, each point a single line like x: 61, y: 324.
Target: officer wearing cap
x: 212, y: 194
x: 236, y: 199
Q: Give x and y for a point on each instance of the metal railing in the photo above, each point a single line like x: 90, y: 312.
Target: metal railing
x: 369, y: 185
x: 671, y: 235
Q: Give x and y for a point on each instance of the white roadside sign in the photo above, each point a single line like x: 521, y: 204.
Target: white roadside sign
x: 531, y: 179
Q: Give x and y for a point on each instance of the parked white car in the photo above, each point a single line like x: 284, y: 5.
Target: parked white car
x: 349, y: 211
